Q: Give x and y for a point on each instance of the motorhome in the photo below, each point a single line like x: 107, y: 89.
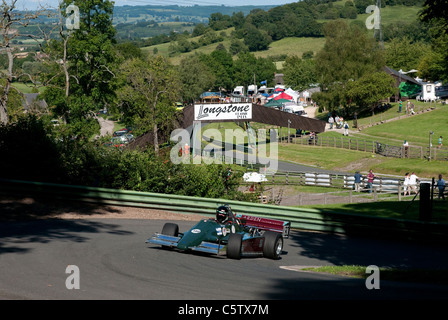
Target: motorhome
x: 239, y: 91
x: 252, y: 90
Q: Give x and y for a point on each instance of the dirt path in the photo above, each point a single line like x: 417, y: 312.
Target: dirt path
x: 107, y: 126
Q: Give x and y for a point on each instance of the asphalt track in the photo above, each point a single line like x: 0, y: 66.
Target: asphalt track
x: 115, y: 263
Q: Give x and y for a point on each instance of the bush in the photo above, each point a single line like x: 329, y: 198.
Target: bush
x: 31, y: 152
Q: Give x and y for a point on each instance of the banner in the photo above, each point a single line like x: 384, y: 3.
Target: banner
x: 216, y: 112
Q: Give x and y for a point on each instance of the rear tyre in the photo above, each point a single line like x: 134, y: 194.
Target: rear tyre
x: 234, y: 246
x: 170, y: 229
x: 273, y: 245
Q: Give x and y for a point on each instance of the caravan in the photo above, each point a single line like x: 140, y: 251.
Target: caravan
x: 252, y: 90
x: 238, y: 91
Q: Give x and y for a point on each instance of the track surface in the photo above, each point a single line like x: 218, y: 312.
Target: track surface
x: 116, y: 263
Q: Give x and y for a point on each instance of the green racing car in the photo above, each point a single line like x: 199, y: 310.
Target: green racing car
x: 228, y: 234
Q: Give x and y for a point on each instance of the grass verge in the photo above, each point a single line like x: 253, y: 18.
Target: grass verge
x: 389, y: 274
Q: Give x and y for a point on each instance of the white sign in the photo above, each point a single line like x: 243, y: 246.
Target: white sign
x: 234, y: 111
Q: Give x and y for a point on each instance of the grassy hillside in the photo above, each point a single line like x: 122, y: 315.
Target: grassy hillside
x: 297, y: 46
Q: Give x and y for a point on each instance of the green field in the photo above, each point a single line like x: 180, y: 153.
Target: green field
x: 413, y: 128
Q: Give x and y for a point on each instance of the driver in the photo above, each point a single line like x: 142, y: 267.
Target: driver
x: 222, y: 214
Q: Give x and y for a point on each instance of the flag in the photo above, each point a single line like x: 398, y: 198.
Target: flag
x: 264, y: 82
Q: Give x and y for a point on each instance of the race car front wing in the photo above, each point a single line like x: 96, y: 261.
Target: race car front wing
x: 172, y: 241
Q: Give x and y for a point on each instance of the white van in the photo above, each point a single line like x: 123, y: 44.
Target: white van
x: 239, y: 91
x: 252, y: 90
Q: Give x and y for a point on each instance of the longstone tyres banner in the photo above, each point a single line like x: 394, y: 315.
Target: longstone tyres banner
x: 216, y: 112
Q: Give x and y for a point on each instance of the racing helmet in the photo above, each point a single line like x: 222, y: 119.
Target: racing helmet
x: 222, y: 214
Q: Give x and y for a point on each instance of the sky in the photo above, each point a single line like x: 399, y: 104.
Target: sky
x: 34, y: 4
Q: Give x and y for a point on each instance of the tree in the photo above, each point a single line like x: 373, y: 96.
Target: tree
x: 256, y: 39
x: 10, y: 20
x: 435, y: 13
x: 368, y: 90
x: 150, y: 89
x: 348, y: 54
x: 221, y: 65
x: 203, y: 79
x: 299, y: 73
x: 88, y: 61
x: 247, y: 66
x: 405, y: 55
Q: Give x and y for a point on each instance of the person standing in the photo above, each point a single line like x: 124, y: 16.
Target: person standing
x: 406, y: 149
x: 400, y: 105
x: 440, y: 142
x: 346, y: 128
x: 331, y: 121
x: 441, y: 187
x: 413, y: 179
x: 406, y: 184
x: 358, y: 178
x: 370, y: 178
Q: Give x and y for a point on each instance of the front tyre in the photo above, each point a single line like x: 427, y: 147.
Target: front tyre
x: 234, y: 246
x: 273, y: 245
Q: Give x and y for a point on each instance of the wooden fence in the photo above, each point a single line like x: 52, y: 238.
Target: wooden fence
x: 349, y: 143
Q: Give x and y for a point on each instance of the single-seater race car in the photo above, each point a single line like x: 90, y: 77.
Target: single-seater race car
x: 228, y: 234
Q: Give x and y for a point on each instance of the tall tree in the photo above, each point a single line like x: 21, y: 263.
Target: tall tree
x: 371, y: 88
x: 150, y: 89
x: 193, y: 86
x: 348, y: 54
x: 299, y: 73
x: 89, y: 60
x: 436, y: 13
x: 10, y: 21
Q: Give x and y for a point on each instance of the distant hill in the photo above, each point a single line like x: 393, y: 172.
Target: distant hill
x: 278, y: 50
x: 140, y: 22
x: 175, y: 13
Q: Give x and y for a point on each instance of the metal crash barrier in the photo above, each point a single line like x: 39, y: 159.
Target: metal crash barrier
x: 300, y: 218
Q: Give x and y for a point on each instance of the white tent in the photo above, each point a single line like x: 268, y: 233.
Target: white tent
x: 294, y: 94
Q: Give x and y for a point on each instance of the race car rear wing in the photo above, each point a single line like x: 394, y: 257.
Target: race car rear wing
x: 265, y: 224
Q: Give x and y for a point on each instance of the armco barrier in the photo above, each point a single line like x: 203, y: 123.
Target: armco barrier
x: 300, y: 218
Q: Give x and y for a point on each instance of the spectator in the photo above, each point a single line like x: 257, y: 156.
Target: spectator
x: 441, y: 186
x: 406, y: 184
x: 346, y: 128
x: 413, y: 179
x: 370, y: 178
x: 440, y: 142
x: 358, y: 178
x: 412, y: 108
x: 400, y: 106
x: 406, y: 149
x: 331, y: 121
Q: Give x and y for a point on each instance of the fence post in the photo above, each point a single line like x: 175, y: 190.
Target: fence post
x: 375, y: 195
x: 351, y: 194
x: 399, y: 191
